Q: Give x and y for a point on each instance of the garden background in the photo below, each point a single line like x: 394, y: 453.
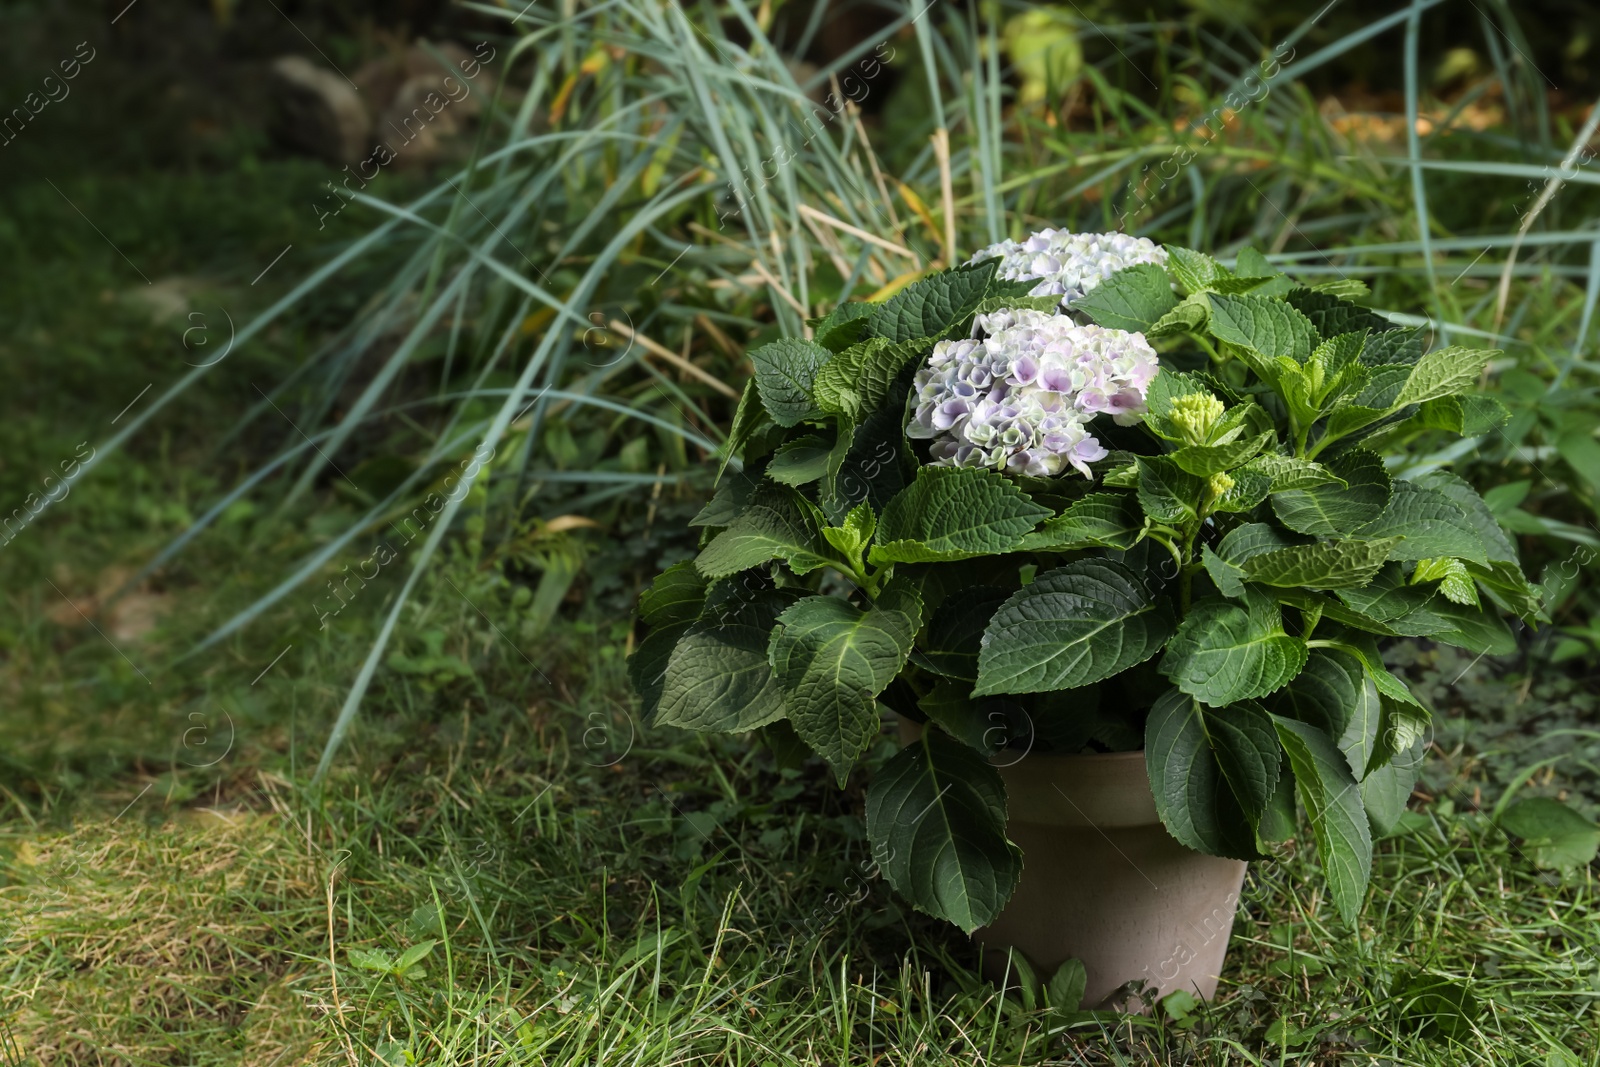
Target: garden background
x: 332, y: 475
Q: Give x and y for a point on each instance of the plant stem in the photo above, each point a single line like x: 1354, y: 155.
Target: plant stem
x: 1216, y: 357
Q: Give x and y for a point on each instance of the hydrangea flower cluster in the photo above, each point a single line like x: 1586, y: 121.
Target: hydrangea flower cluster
x: 1019, y: 396
x: 1070, y: 264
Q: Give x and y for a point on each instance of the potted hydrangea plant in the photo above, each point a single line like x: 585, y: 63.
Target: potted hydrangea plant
x: 1110, y: 528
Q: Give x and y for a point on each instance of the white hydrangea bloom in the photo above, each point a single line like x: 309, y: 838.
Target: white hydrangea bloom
x: 1020, y: 398
x: 1069, y: 265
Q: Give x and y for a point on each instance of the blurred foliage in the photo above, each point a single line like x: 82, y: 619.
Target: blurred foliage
x: 1062, y: 115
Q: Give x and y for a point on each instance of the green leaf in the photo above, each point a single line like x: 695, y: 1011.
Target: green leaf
x: 1393, y: 347
x: 1333, y: 804
x: 785, y: 370
x: 1469, y: 415
x: 1507, y: 585
x: 1421, y: 622
x: 1279, y: 820
x: 1206, y: 460
x: 1387, y: 596
x: 800, y: 461
x: 1495, y: 543
x: 1350, y: 417
x: 749, y: 419
x: 972, y: 722
x: 857, y: 380
x: 1194, y: 271
x: 676, y: 596
x: 1133, y: 299
x: 1385, y: 791
x: 1288, y: 473
x: 955, y: 633
x: 1436, y: 1006
x: 1262, y: 325
x: 868, y: 464
x: 1213, y: 771
x: 1336, y: 361
x: 718, y: 678
x: 1325, y: 607
x: 831, y: 659
x: 851, y: 537
x: 1228, y: 577
x: 1481, y: 414
x: 1473, y: 629
x: 936, y: 817
x: 841, y: 327
x: 1555, y: 835
x: 1242, y: 418
x: 1327, y: 694
x: 1073, y: 626
x: 750, y: 599
x: 769, y: 529
x: 647, y: 667
x: 1248, y: 490
x: 1252, y: 539
x: 1361, y: 739
x: 370, y: 960
x: 1365, y: 649
x: 1404, y: 718
x: 1225, y: 652
x: 1330, y: 315
x: 1187, y: 317
x: 933, y: 306
x: 1332, y: 511
x: 992, y: 303
x: 1343, y: 288
x: 951, y: 513
x: 1245, y: 542
x: 1166, y: 389
x: 1240, y: 285
x: 1296, y: 385
x: 1455, y: 581
x: 1167, y: 492
x: 1115, y: 474
x: 413, y: 956
x: 1065, y: 991
x: 734, y: 493
x: 1323, y: 565
x: 1577, y: 446
x: 1107, y: 520
x: 1250, y: 263
x: 1443, y: 372
x: 1430, y: 523
x: 1382, y: 388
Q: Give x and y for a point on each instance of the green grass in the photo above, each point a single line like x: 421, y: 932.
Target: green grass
x: 661, y: 900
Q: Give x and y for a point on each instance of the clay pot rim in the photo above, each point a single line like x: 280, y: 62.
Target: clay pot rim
x: 1086, y: 757
x: 1097, y: 789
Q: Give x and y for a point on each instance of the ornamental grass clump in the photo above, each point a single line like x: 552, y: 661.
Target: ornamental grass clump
x: 1107, y: 498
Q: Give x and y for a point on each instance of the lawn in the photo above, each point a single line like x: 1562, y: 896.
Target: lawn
x: 498, y: 860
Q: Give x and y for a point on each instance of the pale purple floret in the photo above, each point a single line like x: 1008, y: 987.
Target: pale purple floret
x: 1067, y: 264
x: 1019, y: 396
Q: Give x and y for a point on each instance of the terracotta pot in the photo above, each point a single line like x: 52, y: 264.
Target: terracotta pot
x: 1104, y: 882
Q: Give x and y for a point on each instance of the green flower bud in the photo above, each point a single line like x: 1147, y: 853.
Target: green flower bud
x: 1219, y: 484
x: 1195, y: 414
